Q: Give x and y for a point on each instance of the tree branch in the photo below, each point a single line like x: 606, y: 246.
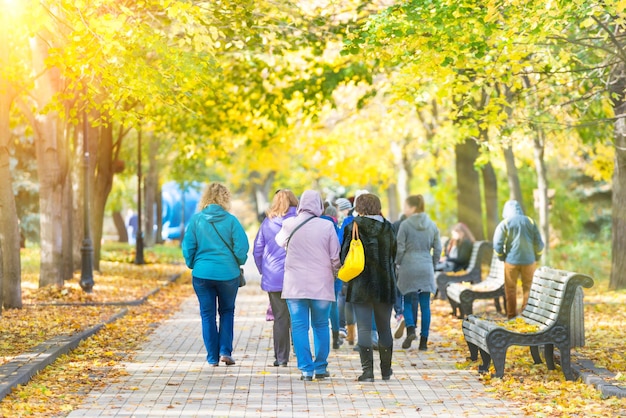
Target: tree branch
x: 618, y: 45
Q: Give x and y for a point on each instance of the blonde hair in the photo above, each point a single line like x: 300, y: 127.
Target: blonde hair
x: 215, y: 194
x: 283, y: 200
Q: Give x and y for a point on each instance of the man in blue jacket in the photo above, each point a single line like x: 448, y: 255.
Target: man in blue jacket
x: 518, y: 243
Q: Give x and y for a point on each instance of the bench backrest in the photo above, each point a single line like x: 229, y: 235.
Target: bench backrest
x: 551, y: 296
x: 496, y: 271
x: 479, y: 249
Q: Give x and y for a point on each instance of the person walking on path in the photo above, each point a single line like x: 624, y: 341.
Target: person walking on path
x: 419, y: 248
x: 346, y: 310
x: 311, y: 266
x: 518, y: 243
x: 373, y: 292
x: 270, y: 261
x: 330, y: 214
x: 214, y: 246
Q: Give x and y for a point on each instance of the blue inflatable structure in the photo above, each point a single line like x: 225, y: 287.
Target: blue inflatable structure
x: 173, y: 201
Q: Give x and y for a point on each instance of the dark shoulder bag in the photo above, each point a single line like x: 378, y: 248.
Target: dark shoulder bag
x: 242, y: 278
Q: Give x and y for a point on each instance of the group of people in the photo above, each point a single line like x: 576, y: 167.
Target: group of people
x: 298, y: 251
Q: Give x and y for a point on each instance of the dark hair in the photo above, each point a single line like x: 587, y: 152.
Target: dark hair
x: 368, y: 205
x: 416, y: 201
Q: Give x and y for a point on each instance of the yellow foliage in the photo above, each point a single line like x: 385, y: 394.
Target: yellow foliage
x: 519, y: 325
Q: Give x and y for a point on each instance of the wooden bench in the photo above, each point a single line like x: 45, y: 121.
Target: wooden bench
x: 462, y: 297
x: 554, y: 306
x: 480, y: 250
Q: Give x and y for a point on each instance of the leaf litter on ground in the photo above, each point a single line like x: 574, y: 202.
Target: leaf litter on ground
x: 537, y: 390
x: 62, y: 386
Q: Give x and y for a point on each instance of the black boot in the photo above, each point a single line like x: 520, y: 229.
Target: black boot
x: 336, y: 340
x: 423, y: 343
x: 367, y: 364
x: 410, y: 337
x: 385, y: 361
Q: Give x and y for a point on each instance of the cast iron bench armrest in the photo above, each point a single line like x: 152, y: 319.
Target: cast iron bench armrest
x: 462, y: 296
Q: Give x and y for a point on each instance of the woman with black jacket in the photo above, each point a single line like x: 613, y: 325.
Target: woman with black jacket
x: 373, y: 292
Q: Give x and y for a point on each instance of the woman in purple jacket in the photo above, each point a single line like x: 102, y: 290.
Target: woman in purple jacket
x: 270, y: 260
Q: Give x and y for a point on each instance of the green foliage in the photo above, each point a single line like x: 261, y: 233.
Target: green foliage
x: 584, y: 256
x: 125, y: 253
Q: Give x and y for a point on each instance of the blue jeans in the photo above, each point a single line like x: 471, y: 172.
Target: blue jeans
x: 334, y: 307
x: 341, y: 307
x: 318, y: 311
x: 398, y: 306
x: 411, y: 302
x: 217, y: 296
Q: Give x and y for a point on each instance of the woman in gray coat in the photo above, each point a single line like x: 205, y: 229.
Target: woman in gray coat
x: 419, y: 249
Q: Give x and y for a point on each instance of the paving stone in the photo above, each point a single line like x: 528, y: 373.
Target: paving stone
x: 169, y: 377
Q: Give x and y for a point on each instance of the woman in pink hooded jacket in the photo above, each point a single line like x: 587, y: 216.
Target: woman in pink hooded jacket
x: 311, y: 266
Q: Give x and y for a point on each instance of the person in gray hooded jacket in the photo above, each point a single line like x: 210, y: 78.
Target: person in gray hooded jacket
x: 518, y: 243
x: 419, y: 249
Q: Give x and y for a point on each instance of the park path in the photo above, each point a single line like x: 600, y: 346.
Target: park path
x: 169, y: 377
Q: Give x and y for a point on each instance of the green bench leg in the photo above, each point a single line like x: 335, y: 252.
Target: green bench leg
x: 473, y: 351
x: 548, y: 351
x: 484, y: 368
x: 534, y: 351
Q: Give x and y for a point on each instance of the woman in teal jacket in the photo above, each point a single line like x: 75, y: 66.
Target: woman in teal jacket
x: 214, y: 246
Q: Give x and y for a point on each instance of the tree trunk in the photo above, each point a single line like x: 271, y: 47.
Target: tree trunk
x: 469, y: 205
x: 51, y: 182
x: 78, y: 210
x: 403, y: 168
x: 542, y: 201
x: 151, y: 188
x: 10, y: 267
x: 1, y: 274
x: 68, y: 228
x: 393, y: 207
x: 52, y: 162
x: 261, y: 191
x: 120, y: 226
x: 490, y: 186
x: 101, y: 155
x: 515, y: 189
x: 159, y: 216
x: 618, y: 94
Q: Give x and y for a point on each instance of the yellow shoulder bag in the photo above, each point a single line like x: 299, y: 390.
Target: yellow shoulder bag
x: 355, y: 259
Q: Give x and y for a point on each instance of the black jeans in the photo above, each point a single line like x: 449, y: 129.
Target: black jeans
x: 382, y: 315
x: 282, y: 327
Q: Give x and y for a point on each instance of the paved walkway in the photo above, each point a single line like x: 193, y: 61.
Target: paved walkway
x: 170, y: 378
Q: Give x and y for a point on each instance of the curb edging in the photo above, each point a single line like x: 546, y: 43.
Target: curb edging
x: 600, y: 378
x: 23, y: 367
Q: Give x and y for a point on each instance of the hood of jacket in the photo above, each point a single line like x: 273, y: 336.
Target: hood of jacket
x: 419, y: 221
x: 311, y: 202
x: 370, y: 227
x: 213, y: 213
x: 512, y: 208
